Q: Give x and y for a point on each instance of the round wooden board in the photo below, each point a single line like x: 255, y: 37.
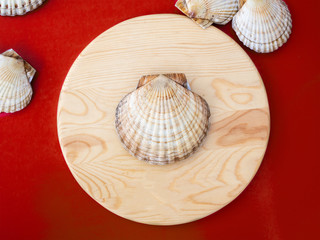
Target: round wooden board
x: 216, y: 68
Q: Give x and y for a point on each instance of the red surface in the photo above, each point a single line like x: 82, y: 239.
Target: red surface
x: 39, y: 198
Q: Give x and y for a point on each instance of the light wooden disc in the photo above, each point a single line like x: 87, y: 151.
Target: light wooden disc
x: 216, y: 68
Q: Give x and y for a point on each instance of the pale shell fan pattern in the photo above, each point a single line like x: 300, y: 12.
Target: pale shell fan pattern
x: 15, y: 77
x: 263, y: 25
x: 207, y: 12
x: 162, y: 121
x: 18, y: 7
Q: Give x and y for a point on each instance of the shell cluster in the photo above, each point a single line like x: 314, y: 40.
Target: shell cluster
x: 15, y: 77
x: 18, y: 7
x: 162, y: 121
x: 262, y: 25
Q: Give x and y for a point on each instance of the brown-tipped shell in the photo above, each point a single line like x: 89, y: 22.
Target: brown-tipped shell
x: 162, y: 122
x: 177, y: 77
x: 241, y: 2
x: 18, y: 7
x: 263, y: 25
x: 15, y: 78
x: 207, y: 12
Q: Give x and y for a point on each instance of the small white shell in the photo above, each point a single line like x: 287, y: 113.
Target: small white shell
x: 162, y: 121
x: 18, y: 7
x: 207, y: 12
x: 263, y: 25
x: 15, y: 78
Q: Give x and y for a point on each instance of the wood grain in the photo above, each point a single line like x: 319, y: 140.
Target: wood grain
x: 216, y: 68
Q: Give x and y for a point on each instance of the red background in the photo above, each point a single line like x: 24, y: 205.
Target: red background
x: 39, y: 198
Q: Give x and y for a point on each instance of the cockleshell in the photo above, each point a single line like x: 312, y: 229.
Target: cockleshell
x: 207, y: 12
x: 162, y: 121
x: 18, y: 7
x: 263, y: 25
x: 15, y: 77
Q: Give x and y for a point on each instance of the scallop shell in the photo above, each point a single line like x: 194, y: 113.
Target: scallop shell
x: 162, y: 121
x: 263, y: 25
x: 207, y: 12
x: 18, y: 7
x: 15, y: 77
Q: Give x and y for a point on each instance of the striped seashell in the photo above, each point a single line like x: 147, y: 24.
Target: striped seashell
x: 18, y: 7
x: 207, y: 12
x: 263, y: 25
x: 15, y: 77
x: 162, y: 121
